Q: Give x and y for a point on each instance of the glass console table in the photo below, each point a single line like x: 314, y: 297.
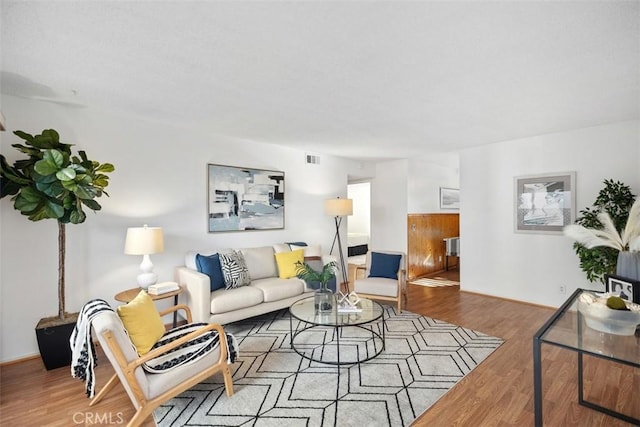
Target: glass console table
x: 567, y: 329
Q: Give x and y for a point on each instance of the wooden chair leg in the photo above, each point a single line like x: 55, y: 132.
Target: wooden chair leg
x: 108, y: 386
x: 139, y: 417
x: 228, y: 381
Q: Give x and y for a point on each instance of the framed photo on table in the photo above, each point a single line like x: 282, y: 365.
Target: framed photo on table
x: 544, y: 203
x: 627, y: 289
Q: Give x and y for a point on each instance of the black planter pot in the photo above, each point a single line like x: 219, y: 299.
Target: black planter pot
x: 53, y: 343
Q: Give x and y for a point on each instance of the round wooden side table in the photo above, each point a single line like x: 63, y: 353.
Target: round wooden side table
x: 129, y: 294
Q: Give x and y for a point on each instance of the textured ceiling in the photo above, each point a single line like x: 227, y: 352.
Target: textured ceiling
x: 356, y: 79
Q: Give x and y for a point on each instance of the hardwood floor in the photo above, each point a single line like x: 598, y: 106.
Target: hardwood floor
x: 499, y: 392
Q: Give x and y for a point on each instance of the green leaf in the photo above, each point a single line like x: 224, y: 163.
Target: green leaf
x: 66, y: 174
x: 52, y: 161
x: 54, y: 210
x: 85, y: 192
x: 8, y: 188
x: 70, y: 186
x: 26, y: 205
x: 52, y: 189
x: 91, y: 204
x: 23, y: 135
x: 101, y: 181
x: 105, y: 167
x: 77, y: 217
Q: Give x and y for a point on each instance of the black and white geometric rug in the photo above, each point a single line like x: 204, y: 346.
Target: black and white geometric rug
x: 274, y: 386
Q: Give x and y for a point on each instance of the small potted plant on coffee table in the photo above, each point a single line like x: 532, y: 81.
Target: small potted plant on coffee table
x: 323, y: 298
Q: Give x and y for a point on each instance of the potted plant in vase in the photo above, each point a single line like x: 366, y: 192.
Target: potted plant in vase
x: 54, y: 184
x: 323, y: 298
x: 607, y: 236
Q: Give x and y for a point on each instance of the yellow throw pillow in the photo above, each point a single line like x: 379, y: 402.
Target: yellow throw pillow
x: 142, y: 321
x: 287, y: 263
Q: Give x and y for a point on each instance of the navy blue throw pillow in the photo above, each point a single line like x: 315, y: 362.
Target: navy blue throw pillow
x: 210, y: 265
x: 384, y: 265
x: 296, y: 244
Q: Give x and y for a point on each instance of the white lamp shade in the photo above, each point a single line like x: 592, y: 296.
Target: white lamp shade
x: 143, y: 241
x: 338, y: 207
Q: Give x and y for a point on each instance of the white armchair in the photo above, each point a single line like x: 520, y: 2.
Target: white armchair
x: 149, y: 390
x: 385, y: 277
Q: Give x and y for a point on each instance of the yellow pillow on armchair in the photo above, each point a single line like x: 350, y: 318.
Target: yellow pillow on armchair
x: 142, y: 322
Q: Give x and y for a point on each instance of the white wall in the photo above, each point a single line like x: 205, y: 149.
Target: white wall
x: 426, y: 176
x: 360, y: 221
x: 160, y: 179
x: 389, y: 206
x: 531, y: 267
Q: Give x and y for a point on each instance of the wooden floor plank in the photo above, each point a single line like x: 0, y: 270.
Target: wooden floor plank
x: 499, y: 392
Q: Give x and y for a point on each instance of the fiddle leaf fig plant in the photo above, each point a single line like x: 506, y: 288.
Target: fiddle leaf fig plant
x: 53, y: 183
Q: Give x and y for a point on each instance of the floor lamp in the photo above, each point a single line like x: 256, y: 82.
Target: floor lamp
x: 338, y: 208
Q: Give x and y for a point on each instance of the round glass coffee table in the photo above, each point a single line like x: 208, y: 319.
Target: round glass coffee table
x: 337, y: 338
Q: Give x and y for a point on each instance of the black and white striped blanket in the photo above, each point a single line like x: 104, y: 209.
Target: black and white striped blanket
x: 83, y: 352
x: 190, y: 351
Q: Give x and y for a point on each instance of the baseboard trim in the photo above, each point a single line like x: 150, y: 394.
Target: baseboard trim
x: 20, y: 360
x: 510, y: 300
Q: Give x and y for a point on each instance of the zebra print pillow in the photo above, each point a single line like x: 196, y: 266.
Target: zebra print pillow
x: 234, y: 270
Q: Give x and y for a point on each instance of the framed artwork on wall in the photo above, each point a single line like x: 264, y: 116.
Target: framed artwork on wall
x: 544, y: 203
x: 627, y: 289
x: 242, y: 199
x: 449, y: 198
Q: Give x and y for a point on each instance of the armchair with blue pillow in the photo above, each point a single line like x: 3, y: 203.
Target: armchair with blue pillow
x: 385, y: 277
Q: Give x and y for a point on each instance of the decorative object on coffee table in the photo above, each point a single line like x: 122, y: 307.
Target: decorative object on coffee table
x: 323, y: 297
x: 600, y: 315
x: 627, y: 289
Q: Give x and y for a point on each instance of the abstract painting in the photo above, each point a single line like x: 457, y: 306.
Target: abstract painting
x: 544, y: 203
x: 244, y: 199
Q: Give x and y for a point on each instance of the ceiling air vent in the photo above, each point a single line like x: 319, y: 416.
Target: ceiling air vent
x: 313, y: 159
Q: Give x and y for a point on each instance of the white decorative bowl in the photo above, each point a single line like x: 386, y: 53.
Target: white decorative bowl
x: 604, y: 319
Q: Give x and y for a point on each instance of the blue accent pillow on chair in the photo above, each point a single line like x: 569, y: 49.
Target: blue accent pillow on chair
x: 210, y: 265
x: 384, y: 265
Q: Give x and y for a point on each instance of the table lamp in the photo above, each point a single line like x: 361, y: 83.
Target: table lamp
x: 338, y: 208
x: 144, y: 241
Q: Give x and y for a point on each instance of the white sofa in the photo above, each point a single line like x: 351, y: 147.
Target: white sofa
x: 266, y: 292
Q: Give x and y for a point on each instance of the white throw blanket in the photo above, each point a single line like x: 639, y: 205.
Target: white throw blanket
x: 83, y: 352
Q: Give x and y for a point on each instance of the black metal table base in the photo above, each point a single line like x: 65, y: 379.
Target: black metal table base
x: 375, y: 336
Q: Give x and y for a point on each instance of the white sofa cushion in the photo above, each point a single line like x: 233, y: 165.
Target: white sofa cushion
x: 260, y: 262
x: 225, y: 300
x: 275, y: 289
x: 311, y: 251
x: 281, y: 247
